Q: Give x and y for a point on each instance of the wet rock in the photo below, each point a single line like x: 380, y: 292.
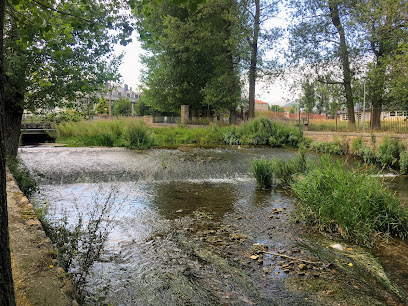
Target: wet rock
x: 238, y: 236
x: 254, y: 257
x: 302, y: 267
x: 179, y: 211
x: 337, y: 246
x: 259, y: 248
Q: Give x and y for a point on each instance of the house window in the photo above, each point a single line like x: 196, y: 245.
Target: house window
x: 392, y: 114
x: 399, y: 114
x: 119, y: 94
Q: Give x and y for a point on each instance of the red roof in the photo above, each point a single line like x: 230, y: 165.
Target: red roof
x: 260, y: 102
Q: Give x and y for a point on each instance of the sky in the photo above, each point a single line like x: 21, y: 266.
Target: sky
x: 131, y: 70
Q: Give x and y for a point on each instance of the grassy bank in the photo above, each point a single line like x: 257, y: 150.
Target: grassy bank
x: 334, y: 198
x: 388, y: 153
x: 134, y: 133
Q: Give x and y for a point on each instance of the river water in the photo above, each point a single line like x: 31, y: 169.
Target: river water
x: 185, y: 224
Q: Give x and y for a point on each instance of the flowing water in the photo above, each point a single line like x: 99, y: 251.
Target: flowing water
x: 187, y: 223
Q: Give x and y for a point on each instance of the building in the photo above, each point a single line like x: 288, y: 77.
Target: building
x: 261, y: 106
x: 114, y: 93
x: 385, y: 115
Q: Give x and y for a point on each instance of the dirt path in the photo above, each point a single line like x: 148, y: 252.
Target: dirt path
x: 37, y: 279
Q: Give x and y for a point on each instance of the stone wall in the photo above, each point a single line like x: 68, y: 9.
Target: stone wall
x: 368, y: 138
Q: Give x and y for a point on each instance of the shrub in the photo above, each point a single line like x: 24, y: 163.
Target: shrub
x: 367, y: 154
x: 122, y: 107
x: 356, y: 144
x: 403, y: 162
x: 388, y: 152
x: 25, y: 181
x: 349, y: 202
x: 331, y: 147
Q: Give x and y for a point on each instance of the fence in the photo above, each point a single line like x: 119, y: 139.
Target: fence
x: 384, y: 121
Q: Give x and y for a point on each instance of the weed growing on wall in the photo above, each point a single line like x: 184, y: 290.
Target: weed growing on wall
x: 26, y: 183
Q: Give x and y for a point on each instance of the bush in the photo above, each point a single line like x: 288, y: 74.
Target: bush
x: 25, y: 181
x: 356, y: 144
x: 122, y: 107
x: 349, y: 202
x: 367, y: 154
x: 403, y: 162
x: 331, y: 147
x: 388, y: 152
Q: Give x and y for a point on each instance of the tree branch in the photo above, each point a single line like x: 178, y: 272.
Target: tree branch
x: 62, y: 12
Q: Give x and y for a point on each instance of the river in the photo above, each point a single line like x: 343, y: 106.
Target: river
x: 186, y: 223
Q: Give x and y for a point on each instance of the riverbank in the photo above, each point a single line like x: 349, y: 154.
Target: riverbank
x: 37, y: 278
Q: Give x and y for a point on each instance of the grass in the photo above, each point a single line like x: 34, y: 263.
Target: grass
x: 349, y: 202
x: 134, y: 133
x: 273, y: 171
x: 329, y: 125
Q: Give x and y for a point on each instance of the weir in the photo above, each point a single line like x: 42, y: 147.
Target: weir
x: 189, y: 228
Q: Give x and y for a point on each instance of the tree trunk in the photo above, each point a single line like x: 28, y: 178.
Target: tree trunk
x: 6, y: 277
x: 13, y: 114
x: 233, y: 116
x: 335, y: 17
x: 254, y: 56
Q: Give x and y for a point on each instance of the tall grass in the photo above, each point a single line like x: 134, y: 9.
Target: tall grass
x: 349, y: 202
x: 108, y: 133
x: 388, y: 152
x: 278, y: 171
x: 132, y: 133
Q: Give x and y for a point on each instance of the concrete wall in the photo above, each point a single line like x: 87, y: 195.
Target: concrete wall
x: 366, y: 137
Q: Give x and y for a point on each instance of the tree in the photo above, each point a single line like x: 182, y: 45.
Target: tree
x: 102, y: 107
x: 254, y: 14
x: 192, y: 56
x: 384, y: 25
x: 6, y: 278
x: 122, y: 107
x: 308, y: 100
x: 57, y: 52
x: 323, y: 38
x: 276, y: 108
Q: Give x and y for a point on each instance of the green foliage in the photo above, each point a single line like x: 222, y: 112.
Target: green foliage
x: 25, y: 181
x: 274, y: 171
x: 388, y: 152
x: 122, y: 107
x: 367, y: 154
x: 92, y: 133
x: 102, y: 107
x: 138, y: 135
x: 263, y: 173
x: 403, y: 162
x: 182, y: 42
x: 349, y: 202
x: 263, y: 131
x: 356, y: 144
x: 330, y: 147
x: 276, y: 108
